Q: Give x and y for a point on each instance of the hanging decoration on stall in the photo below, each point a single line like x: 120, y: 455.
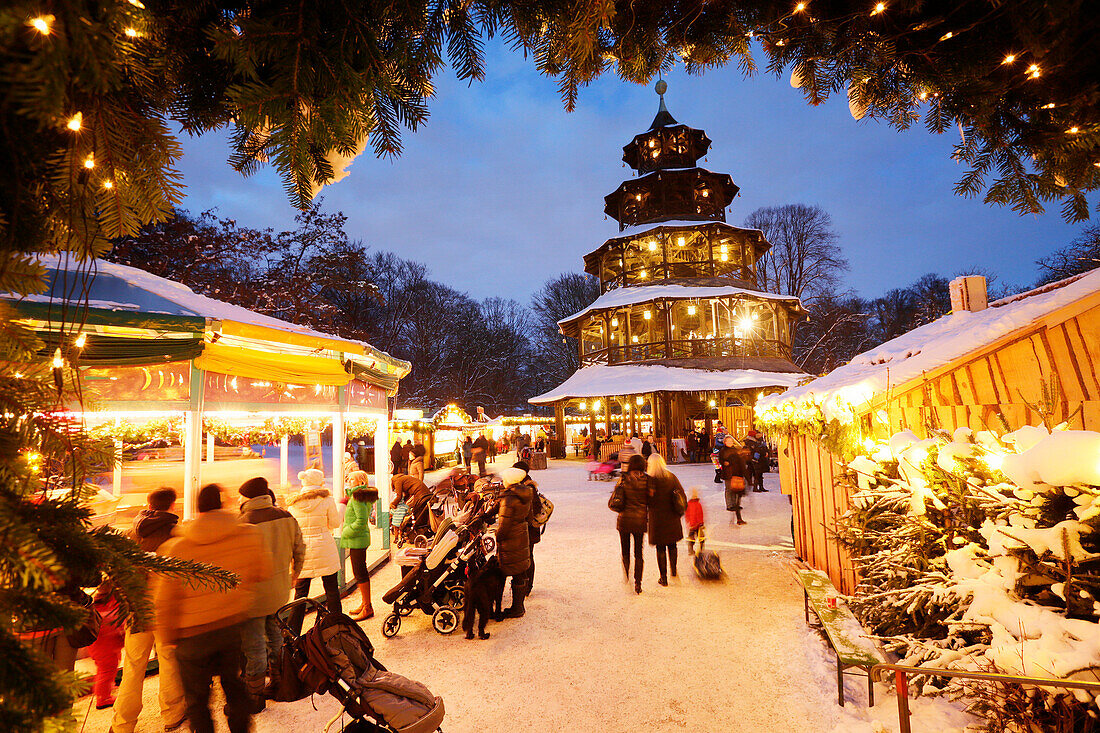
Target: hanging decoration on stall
x: 362, y: 428
x: 452, y: 414
x: 164, y: 428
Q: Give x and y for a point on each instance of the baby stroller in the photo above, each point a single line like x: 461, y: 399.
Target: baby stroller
x: 602, y: 470
x: 337, y: 658
x: 436, y: 582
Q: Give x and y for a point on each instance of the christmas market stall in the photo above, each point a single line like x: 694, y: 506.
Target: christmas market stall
x: 1025, y: 363
x: 160, y: 366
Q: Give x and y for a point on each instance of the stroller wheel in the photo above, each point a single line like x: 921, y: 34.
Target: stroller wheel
x: 489, y: 544
x: 403, y: 609
x: 391, y: 625
x: 420, y: 542
x: 444, y: 620
x: 458, y: 596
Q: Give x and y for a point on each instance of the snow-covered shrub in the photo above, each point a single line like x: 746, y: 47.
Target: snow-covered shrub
x: 978, y: 552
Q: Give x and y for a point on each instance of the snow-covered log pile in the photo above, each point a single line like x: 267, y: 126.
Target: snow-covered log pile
x: 983, y: 552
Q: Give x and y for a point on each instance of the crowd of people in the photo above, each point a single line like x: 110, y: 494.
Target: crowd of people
x: 203, y: 631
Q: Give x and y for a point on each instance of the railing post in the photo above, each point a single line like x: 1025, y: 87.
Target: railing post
x: 901, y: 681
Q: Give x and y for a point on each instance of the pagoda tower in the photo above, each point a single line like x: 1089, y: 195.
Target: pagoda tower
x: 681, y: 330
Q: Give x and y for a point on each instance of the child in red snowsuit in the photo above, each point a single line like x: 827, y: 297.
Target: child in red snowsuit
x: 106, y: 650
x: 694, y: 518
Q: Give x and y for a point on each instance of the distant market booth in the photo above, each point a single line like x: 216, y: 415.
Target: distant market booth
x: 155, y: 358
x: 682, y: 331
x: 1028, y: 360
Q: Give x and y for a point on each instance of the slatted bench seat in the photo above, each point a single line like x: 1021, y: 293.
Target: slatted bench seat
x: 849, y: 642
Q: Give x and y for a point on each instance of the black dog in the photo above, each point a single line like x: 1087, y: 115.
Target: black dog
x: 484, y: 595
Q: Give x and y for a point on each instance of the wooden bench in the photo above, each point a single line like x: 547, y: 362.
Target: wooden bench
x: 842, y: 630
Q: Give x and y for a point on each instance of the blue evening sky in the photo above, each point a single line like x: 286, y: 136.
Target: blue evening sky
x: 502, y: 189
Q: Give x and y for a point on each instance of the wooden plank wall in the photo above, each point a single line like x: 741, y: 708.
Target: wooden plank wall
x: 816, y: 502
x: 738, y: 420
x: 1008, y: 380
x: 999, y: 380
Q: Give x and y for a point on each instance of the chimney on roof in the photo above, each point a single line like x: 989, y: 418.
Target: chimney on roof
x: 968, y: 293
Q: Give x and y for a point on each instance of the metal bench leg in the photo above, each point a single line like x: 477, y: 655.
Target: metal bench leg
x: 839, y: 681
x: 870, y: 689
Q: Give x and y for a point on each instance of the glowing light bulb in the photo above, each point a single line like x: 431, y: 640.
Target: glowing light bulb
x: 58, y: 362
x: 680, y: 241
x: 947, y: 36
x: 638, y: 401
x: 724, y: 257
x: 653, y: 246
x: 42, y: 24
x: 994, y: 461
x: 800, y: 7
x: 869, y: 445
x: 1072, y: 130
x: 724, y: 248
x: 89, y: 162
x: 596, y: 405
x: 745, y: 324
x: 1009, y: 58
x: 583, y: 406
x: 81, y: 340
x: 634, y: 339
x: 642, y: 275
x: 711, y: 403
x: 75, y: 121
x: 691, y: 310
x: 637, y: 197
x: 614, y: 322
x: 108, y: 184
x: 879, y: 7
x: 647, y: 315
x: 923, y: 95
x: 706, y: 193
x: 652, y: 143
x: 131, y: 32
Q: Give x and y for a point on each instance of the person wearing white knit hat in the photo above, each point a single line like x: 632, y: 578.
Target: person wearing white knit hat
x: 513, y: 543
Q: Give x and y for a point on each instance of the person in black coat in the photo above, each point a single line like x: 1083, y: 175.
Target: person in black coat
x: 732, y: 469
x: 665, y: 528
x: 753, y: 479
x: 513, y: 542
x: 397, y: 455
x: 634, y: 516
x: 534, y: 531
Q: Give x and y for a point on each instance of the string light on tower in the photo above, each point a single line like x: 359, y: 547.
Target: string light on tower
x: 800, y: 7
x: 75, y: 122
x: 1009, y: 58
x: 131, y: 33
x: 108, y: 184
x: 879, y: 7
x: 81, y: 340
x: 1033, y: 71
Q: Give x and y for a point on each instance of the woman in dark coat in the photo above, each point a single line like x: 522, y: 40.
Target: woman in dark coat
x: 665, y: 528
x: 513, y: 543
x: 534, y: 531
x: 397, y: 457
x: 634, y: 515
x: 732, y: 468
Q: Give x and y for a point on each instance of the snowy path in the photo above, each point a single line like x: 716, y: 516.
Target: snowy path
x: 590, y: 655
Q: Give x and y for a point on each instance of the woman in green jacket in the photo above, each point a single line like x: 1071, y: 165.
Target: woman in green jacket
x: 355, y: 537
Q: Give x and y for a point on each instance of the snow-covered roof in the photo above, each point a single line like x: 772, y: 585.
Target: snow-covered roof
x: 121, y: 288
x: 620, y: 297
x: 934, y: 345
x: 601, y: 381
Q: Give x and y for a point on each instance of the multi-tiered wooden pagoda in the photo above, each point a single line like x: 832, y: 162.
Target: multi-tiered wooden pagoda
x: 681, y: 326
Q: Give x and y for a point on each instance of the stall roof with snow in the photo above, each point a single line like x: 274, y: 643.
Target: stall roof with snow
x: 996, y: 358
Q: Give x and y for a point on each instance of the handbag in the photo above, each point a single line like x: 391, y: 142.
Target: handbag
x: 286, y: 685
x: 737, y: 483
x: 679, y: 502
x: 617, y: 502
x: 89, y: 631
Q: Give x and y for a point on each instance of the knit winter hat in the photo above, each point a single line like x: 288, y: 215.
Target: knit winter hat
x: 513, y: 476
x: 522, y: 465
x: 311, y: 477
x: 253, y: 487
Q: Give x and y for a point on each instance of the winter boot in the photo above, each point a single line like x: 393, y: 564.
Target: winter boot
x: 519, y: 592
x: 256, y: 700
x: 365, y: 609
x: 739, y: 519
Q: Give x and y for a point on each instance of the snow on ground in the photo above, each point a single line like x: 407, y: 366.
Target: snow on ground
x: 590, y: 655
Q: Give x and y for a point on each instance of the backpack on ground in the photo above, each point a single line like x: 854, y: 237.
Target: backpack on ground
x: 707, y: 565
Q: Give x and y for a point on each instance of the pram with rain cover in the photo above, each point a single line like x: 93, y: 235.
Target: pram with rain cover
x: 436, y: 582
x: 335, y: 657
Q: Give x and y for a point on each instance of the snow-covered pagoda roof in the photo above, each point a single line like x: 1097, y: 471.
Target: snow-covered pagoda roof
x: 646, y: 293
x: 927, y: 348
x: 627, y: 379
x: 129, y: 297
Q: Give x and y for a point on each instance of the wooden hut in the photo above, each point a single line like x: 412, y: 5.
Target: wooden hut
x: 1024, y: 360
